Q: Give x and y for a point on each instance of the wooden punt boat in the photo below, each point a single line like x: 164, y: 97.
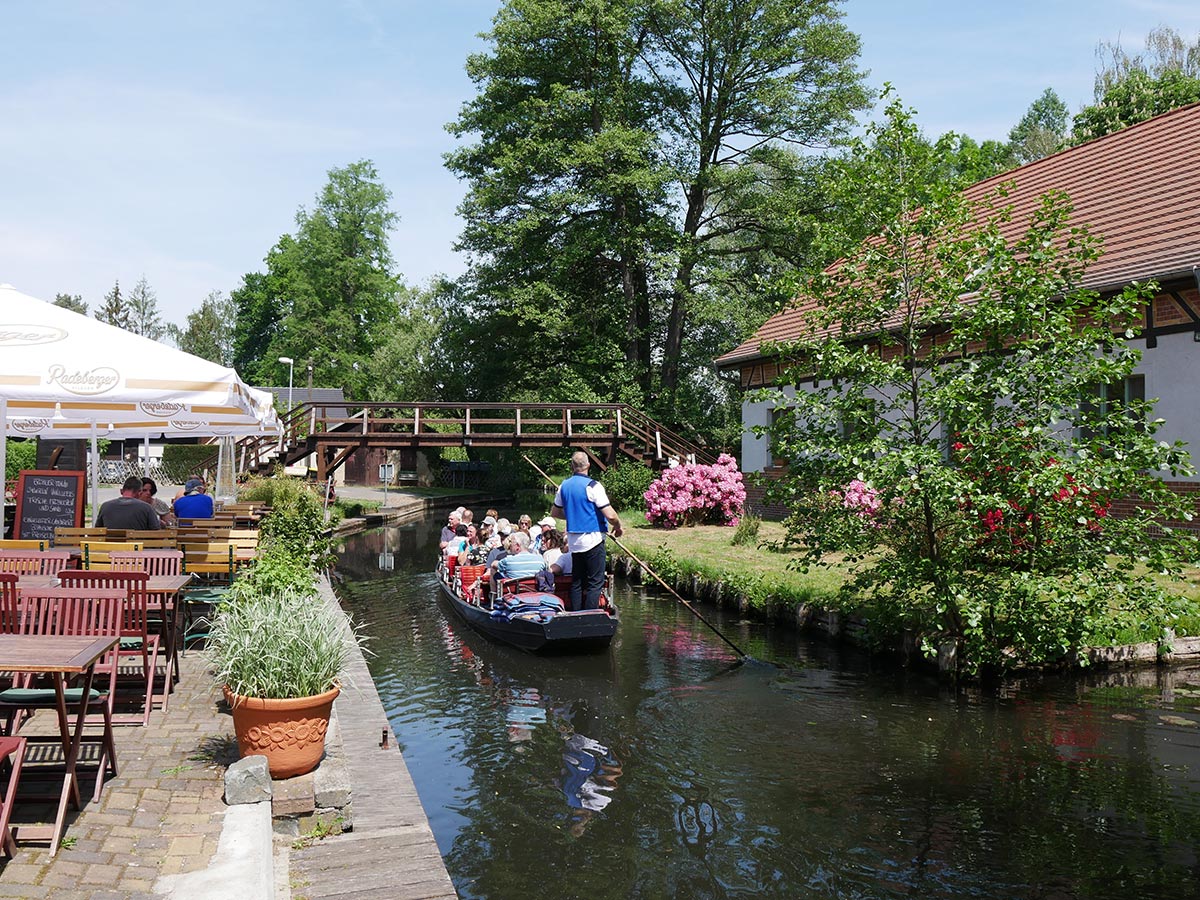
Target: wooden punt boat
x: 516, y: 613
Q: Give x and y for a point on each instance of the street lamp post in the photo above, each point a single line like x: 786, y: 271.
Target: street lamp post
x: 291, y: 364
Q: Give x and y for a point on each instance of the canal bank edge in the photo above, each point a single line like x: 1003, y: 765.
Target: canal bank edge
x: 847, y: 628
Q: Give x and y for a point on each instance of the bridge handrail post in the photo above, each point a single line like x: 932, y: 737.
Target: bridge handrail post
x: 518, y: 421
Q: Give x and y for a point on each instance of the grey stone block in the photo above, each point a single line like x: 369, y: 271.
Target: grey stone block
x: 293, y: 796
x: 331, y: 783
x: 248, y: 781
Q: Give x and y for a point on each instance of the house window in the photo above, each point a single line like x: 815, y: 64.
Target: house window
x: 1103, y: 400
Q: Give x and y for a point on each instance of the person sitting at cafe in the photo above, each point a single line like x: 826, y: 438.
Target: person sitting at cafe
x: 161, y: 509
x: 128, y: 511
x: 195, y: 503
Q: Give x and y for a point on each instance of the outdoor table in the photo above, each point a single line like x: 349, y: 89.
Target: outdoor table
x: 162, y: 594
x: 58, y: 656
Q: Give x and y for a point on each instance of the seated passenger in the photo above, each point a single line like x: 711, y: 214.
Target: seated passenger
x: 496, y: 546
x: 457, y: 543
x: 521, y: 561
x: 555, y: 554
x: 474, y: 553
x: 545, y: 524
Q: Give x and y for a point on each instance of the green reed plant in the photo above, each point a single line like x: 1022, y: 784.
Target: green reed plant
x: 278, y: 644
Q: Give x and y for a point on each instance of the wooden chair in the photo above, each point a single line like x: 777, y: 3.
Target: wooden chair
x: 68, y: 611
x: 137, y: 640
x: 11, y: 748
x: 96, y: 553
x: 71, y: 537
x: 22, y: 544
x: 152, y: 562
x: 34, y: 562
x: 212, y: 561
x: 160, y: 539
x: 10, y: 612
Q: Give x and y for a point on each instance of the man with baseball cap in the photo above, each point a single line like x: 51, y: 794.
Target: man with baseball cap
x: 545, y: 524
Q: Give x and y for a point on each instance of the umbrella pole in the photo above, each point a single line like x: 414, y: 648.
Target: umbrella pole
x: 146, y: 468
x: 95, y: 473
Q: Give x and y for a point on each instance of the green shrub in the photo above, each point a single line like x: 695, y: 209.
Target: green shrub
x: 297, y: 517
x: 747, y: 530
x: 20, y: 455
x: 625, y: 484
x: 276, y: 570
x: 180, y: 461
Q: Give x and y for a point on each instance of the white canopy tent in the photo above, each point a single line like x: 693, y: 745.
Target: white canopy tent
x: 64, y: 373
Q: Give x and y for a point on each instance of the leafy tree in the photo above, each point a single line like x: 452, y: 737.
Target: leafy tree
x: 631, y: 186
x: 406, y: 366
x: 1131, y: 88
x: 73, y: 302
x: 329, y: 292
x: 209, y: 331
x: 144, y: 316
x: 564, y: 216
x: 969, y: 486
x: 1042, y: 130
x: 114, y: 309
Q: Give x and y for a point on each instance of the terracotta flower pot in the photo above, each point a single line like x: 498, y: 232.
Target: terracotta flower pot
x: 289, y: 733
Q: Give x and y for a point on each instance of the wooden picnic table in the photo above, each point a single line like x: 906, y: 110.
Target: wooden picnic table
x: 59, y: 656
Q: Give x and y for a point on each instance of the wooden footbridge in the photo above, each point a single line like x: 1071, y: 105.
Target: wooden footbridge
x: 607, y: 432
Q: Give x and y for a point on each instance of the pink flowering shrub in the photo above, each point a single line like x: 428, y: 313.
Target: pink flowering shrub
x: 692, y: 493
x: 861, y: 498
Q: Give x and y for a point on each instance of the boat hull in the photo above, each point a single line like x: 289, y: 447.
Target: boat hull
x: 582, y: 631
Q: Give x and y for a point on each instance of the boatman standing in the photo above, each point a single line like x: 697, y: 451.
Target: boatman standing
x: 585, y: 505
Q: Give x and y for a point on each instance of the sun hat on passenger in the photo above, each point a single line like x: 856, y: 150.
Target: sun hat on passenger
x: 547, y: 520
x: 489, y: 520
x: 504, y: 527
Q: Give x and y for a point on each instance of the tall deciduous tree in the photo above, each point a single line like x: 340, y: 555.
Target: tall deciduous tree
x: 1133, y: 87
x: 1042, y: 130
x: 114, y: 308
x: 627, y: 178
x: 144, y: 316
x: 329, y: 291
x: 73, y: 302
x: 209, y: 330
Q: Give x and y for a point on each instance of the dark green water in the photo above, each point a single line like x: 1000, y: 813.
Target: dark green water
x: 659, y: 770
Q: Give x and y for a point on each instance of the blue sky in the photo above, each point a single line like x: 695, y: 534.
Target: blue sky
x: 178, y: 141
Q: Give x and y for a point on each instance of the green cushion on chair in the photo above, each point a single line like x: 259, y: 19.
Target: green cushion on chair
x: 36, y: 696
x: 131, y: 643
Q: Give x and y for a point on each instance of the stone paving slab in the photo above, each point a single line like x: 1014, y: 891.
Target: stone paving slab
x: 161, y: 815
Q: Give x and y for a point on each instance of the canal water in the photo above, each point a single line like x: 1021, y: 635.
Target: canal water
x: 661, y: 769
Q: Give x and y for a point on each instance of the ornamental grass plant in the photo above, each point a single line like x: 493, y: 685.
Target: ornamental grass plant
x: 279, y: 644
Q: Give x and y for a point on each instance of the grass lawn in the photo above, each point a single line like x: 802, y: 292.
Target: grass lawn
x: 708, y: 551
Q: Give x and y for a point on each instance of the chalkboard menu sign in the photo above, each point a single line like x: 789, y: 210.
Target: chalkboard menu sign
x: 47, y: 500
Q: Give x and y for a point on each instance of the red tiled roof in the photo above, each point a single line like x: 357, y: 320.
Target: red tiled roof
x: 1138, y: 189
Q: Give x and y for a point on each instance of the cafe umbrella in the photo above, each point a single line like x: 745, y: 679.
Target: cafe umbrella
x: 68, y: 368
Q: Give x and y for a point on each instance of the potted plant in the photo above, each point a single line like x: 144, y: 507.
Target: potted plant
x: 278, y: 650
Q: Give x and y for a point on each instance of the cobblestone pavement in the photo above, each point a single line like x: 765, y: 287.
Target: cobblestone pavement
x: 161, y: 815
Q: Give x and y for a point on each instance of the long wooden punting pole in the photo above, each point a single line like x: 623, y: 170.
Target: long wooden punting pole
x: 670, y: 590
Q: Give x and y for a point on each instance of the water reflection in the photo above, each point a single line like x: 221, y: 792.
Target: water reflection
x: 658, y: 770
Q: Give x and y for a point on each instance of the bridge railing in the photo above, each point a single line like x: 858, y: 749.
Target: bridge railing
x: 608, y: 427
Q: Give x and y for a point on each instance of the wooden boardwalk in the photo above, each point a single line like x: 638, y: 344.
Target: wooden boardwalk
x: 391, y: 852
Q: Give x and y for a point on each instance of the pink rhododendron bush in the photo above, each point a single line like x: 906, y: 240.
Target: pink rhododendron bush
x: 692, y: 493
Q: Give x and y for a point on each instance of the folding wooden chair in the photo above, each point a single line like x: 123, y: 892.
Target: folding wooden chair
x: 66, y: 611
x: 34, y: 562
x: 156, y: 562
x: 95, y: 553
x: 22, y: 544
x: 71, y: 537
x: 12, y: 751
x: 10, y: 612
x: 137, y: 640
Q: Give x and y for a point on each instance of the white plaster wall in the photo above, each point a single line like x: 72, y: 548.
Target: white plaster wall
x: 756, y: 451
x: 1172, y: 371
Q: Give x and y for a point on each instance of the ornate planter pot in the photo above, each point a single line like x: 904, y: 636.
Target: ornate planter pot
x: 289, y: 733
